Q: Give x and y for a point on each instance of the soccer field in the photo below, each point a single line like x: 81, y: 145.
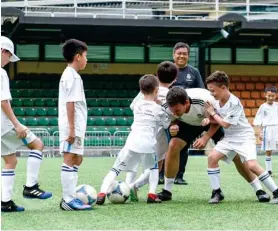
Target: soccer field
x: 188, y: 210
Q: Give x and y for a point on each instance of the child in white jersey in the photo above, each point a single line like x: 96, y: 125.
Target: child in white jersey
x: 239, y: 136
x: 267, y: 117
x: 72, y: 121
x: 140, y: 146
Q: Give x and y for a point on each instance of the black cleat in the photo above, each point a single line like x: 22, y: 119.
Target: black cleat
x: 10, y: 206
x: 35, y: 192
x: 180, y: 181
x: 165, y: 195
x: 274, y: 200
x: 262, y: 196
x: 216, y: 196
x: 153, y: 198
x: 100, y: 198
x: 270, y: 173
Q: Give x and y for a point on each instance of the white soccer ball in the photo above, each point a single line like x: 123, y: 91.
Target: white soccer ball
x: 87, y: 194
x: 118, y: 192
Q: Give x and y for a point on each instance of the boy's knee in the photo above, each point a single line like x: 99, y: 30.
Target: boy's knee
x: 10, y: 161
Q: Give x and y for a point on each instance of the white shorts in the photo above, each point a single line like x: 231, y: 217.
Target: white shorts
x: 129, y: 161
x: 161, y: 145
x: 270, y: 138
x: 10, y: 142
x: 246, y: 150
x: 76, y: 148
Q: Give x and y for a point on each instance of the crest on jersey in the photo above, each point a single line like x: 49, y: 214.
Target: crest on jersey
x: 265, y: 113
x: 188, y: 76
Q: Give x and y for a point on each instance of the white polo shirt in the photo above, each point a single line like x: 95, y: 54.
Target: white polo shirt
x: 267, y: 115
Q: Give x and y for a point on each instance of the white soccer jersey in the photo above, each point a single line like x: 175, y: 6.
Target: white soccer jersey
x: 233, y: 113
x: 148, y: 118
x: 267, y: 115
x: 6, y: 124
x: 71, y: 90
x: 198, y: 97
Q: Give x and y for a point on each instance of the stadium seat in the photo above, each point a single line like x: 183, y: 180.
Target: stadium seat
x: 123, y: 129
x: 104, y: 103
x: 48, y: 93
x: 38, y: 93
x: 30, y: 111
x: 39, y: 102
x: 121, y: 121
x: 52, y: 111
x: 51, y: 130
x: 112, y: 130
x: 53, y: 121
x: 15, y: 93
x: 91, y: 94
x: 96, y: 111
x: 126, y: 103
x: 93, y: 102
x: 91, y: 121
x: 31, y: 121
x: 118, y: 111
x: 112, y: 94
x: 28, y: 102
x: 100, y: 121
x: 19, y: 111
x: 91, y: 129
x: 17, y: 102
x: 101, y: 93
x: 107, y: 111
x: 22, y: 120
x: 115, y: 103
x: 41, y: 111
x: 43, y: 121
x: 35, y: 84
x: 26, y: 93
x: 46, y: 85
x: 51, y: 102
x: 111, y: 121
x: 128, y: 112
x: 129, y: 121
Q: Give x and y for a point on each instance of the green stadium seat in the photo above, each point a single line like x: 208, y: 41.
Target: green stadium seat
x: 35, y: 84
x: 46, y: 85
x: 39, y: 102
x: 91, y: 121
x: 104, y: 103
x: 22, y: 120
x: 100, y: 121
x: 129, y: 121
x: 119, y: 141
x: 101, y: 129
x: 101, y: 93
x: 52, y: 111
x: 41, y: 111
x: 51, y: 102
x: 122, y: 94
x: 30, y: 111
x: 91, y: 94
x: 112, y: 94
x: 31, y: 121
x: 38, y: 93
x: 121, y: 121
x: 26, y: 93
x: 91, y: 129
x: 93, y: 102
x: 110, y: 121
x: 51, y: 130
x: 15, y: 93
x: 126, y: 103
x: 107, y: 111
x: 19, y: 111
x: 48, y: 93
x: 55, y: 93
x: 96, y: 111
x: 124, y: 129
x: 17, y: 102
x: 132, y: 94
x: 112, y: 130
x: 115, y: 103
x: 28, y: 102
x: 53, y: 121
x: 14, y: 84
x: 23, y: 84
x: 43, y: 121
x: 128, y: 112
x: 118, y: 111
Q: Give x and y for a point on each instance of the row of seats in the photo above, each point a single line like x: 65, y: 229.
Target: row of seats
x: 27, y: 93
x: 53, y: 111
x: 29, y: 102
x: 98, y: 121
x: 37, y: 84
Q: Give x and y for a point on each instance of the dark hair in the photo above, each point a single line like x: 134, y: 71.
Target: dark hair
x: 176, y: 95
x: 272, y: 89
x: 73, y: 47
x: 219, y: 78
x: 181, y: 45
x: 167, y: 72
x: 148, y: 83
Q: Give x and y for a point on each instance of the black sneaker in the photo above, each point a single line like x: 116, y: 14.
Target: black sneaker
x: 100, y: 198
x: 35, y: 192
x: 274, y: 200
x: 161, y: 180
x: 165, y: 195
x: 153, y: 198
x: 216, y: 196
x: 270, y: 173
x: 262, y: 196
x: 10, y: 206
x: 180, y: 181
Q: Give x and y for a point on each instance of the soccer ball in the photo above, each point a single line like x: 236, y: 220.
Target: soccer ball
x: 118, y: 192
x: 87, y: 194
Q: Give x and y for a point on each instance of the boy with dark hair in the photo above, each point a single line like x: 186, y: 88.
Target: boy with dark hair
x: 267, y: 118
x: 239, y: 136
x: 72, y: 122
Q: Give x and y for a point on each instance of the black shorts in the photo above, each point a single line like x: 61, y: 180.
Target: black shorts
x: 189, y: 133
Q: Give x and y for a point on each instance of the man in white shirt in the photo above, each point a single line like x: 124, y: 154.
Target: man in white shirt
x: 14, y: 135
x: 239, y: 136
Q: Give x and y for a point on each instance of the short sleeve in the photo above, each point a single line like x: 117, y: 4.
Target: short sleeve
x: 5, y: 87
x: 258, y: 118
x: 135, y: 100
x: 163, y: 117
x: 233, y: 114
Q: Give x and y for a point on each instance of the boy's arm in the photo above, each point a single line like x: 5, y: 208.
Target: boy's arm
x: 70, y: 114
x: 202, y: 141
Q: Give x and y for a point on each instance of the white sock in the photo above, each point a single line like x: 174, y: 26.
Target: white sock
x: 8, y: 176
x: 75, y: 175
x: 256, y: 184
x: 214, y: 177
x: 108, y: 180
x: 33, y: 167
x: 153, y: 180
x: 267, y: 180
x: 130, y: 177
x: 143, y: 179
x: 168, y: 184
x: 67, y: 179
x: 268, y: 163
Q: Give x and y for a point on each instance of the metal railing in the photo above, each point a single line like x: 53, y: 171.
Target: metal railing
x: 147, y: 9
